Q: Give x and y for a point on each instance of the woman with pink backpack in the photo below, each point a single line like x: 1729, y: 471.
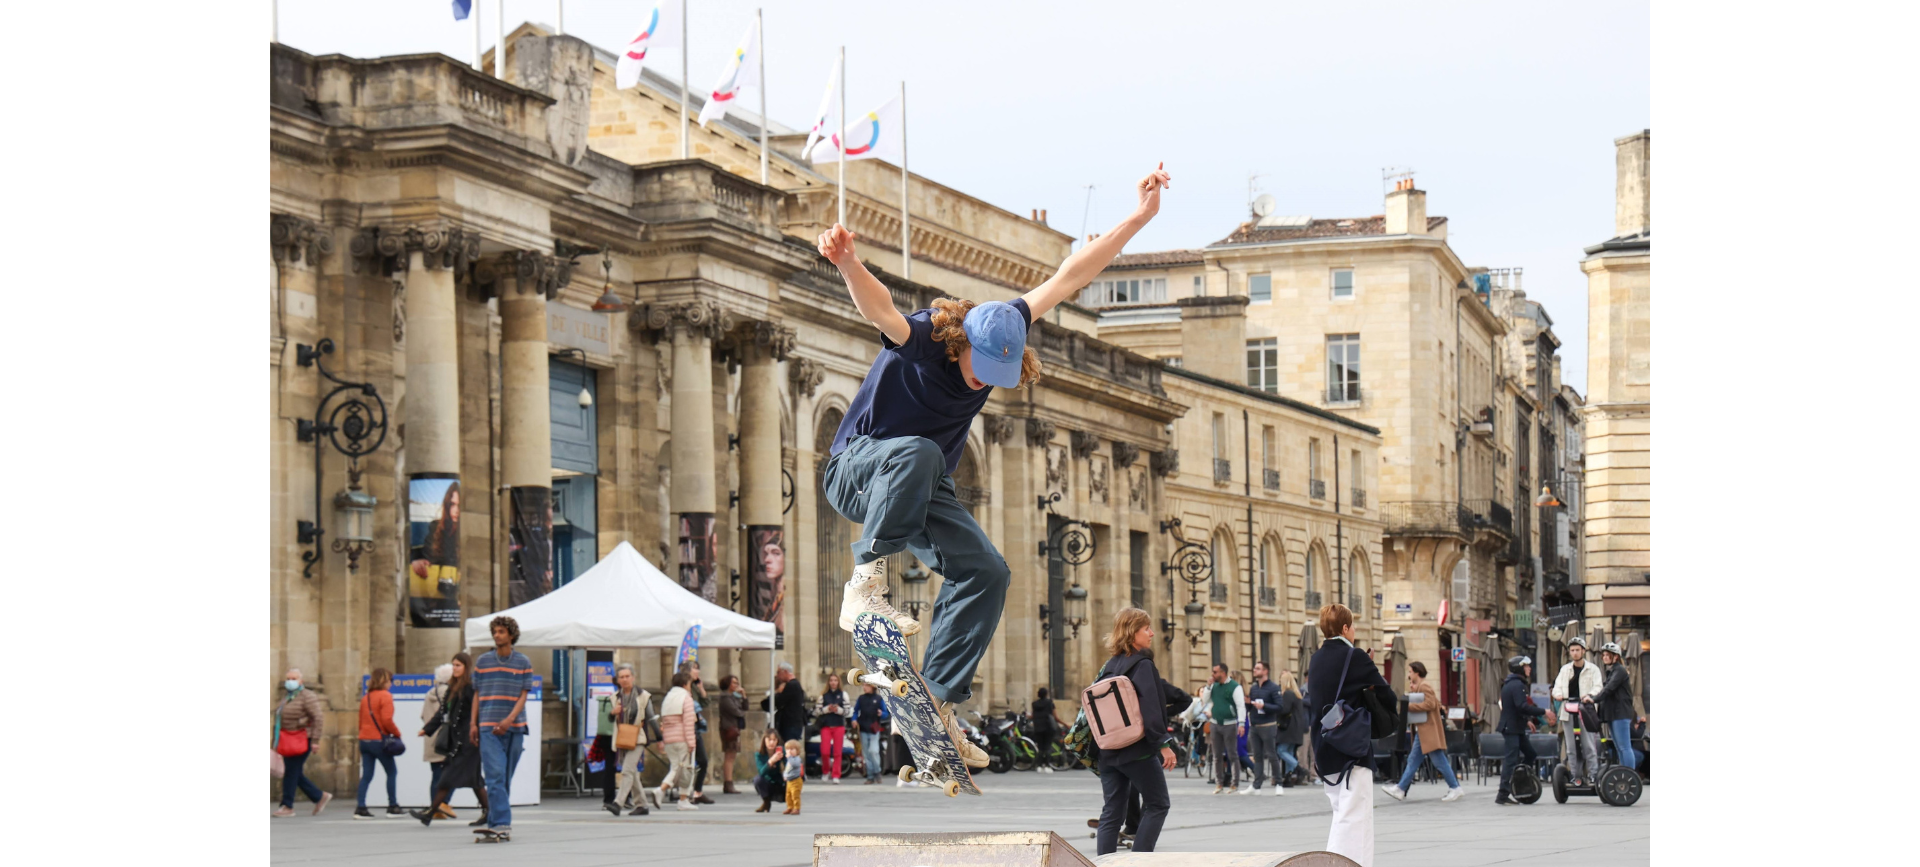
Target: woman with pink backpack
x: 1130, y: 732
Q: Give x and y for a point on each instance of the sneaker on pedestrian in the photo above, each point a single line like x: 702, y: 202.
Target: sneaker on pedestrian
x: 610, y: 807
x: 394, y: 812
x: 1452, y: 794
x: 687, y: 805
x: 1277, y: 791
x: 1504, y: 801
x: 1394, y: 792
x: 834, y: 780
x: 444, y: 812
x: 283, y: 812
x: 425, y: 817
x: 970, y: 752
x: 325, y: 799
x: 639, y: 810
x: 1247, y: 789
x: 478, y: 823
x: 362, y: 813
x: 865, y: 591
x: 1218, y: 789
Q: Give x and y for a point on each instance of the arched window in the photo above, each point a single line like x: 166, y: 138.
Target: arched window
x: 1317, y: 573
x: 1263, y: 569
x: 1224, y: 571
x: 1360, y: 579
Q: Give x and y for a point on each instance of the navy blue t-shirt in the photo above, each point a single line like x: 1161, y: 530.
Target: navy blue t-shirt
x: 914, y: 391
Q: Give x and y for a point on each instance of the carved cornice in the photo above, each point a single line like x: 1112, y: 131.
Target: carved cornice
x: 999, y: 428
x: 389, y: 249
x: 805, y: 374
x: 1083, y: 443
x: 293, y: 237
x: 532, y: 272
x: 1039, y: 432
x: 1124, y: 454
x: 1165, y: 463
x: 700, y: 316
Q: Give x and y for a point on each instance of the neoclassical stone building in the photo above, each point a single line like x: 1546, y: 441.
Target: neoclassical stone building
x: 456, y: 429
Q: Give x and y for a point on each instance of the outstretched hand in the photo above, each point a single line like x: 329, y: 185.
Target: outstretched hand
x: 836, y: 244
x: 1149, y: 189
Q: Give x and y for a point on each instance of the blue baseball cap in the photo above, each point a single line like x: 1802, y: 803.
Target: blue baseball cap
x: 998, y: 333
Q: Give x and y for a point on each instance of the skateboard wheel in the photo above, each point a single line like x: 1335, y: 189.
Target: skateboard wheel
x: 906, y: 773
x: 855, y: 674
x: 952, y: 788
x: 900, y: 689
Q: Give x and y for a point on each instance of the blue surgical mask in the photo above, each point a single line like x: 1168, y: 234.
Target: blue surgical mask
x: 293, y: 685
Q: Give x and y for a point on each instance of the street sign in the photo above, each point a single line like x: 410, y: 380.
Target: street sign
x: 1403, y: 609
x: 1523, y: 619
x: 1459, y: 654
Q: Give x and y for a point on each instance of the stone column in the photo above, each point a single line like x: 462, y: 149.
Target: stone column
x: 427, y: 258
x: 764, y: 560
x: 524, y: 281
x: 692, y: 327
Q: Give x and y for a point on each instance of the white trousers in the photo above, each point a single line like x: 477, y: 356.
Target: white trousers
x: 1352, y: 831
x: 679, y: 770
x: 629, y: 770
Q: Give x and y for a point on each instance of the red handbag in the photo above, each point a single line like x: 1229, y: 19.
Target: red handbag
x: 292, y: 743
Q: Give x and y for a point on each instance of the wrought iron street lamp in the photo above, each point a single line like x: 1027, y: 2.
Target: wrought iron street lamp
x: 356, y: 425
x: 608, y: 302
x: 1075, y: 601
x: 586, y: 394
x: 1196, y: 621
x: 916, y: 576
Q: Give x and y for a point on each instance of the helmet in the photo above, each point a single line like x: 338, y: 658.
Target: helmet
x: 1518, y: 664
x: 1610, y: 647
x: 1577, y: 640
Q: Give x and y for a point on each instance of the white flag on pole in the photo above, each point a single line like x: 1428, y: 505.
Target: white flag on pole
x: 743, y: 70
x: 874, y: 135
x: 662, y: 30
x: 826, y: 108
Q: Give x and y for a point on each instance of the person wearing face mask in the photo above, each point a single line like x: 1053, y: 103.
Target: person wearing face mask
x: 298, y: 725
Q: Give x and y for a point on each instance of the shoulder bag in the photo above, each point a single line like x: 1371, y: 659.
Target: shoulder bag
x: 289, y: 743
x: 390, y: 742
x: 1346, y: 728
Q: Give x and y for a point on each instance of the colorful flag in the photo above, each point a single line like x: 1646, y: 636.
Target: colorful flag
x: 661, y: 31
x: 461, y: 8
x: 826, y: 108
x: 743, y: 70
x: 875, y: 134
x: 689, y: 646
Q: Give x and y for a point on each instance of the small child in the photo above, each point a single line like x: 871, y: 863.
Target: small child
x: 796, y: 773
x: 771, y: 780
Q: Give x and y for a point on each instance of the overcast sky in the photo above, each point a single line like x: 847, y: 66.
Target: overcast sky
x: 1507, y: 111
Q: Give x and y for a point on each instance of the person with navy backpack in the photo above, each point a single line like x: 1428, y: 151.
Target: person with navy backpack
x: 1135, y: 767
x: 1341, y: 733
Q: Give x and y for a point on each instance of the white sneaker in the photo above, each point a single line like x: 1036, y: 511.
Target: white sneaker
x: 1218, y: 789
x: 687, y: 805
x: 1452, y: 794
x: 865, y: 591
x: 1277, y: 791
x: 1247, y: 789
x: 1395, y: 792
x: 970, y: 752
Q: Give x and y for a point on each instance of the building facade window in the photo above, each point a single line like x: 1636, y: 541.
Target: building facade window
x: 1263, y: 364
x: 1199, y: 285
x: 1259, y: 287
x: 1343, y: 283
x: 1103, y: 293
x: 1343, y: 368
x: 1173, y: 361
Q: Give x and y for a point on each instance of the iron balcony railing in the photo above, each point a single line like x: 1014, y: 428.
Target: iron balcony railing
x: 1481, y: 514
x: 1269, y: 597
x: 1222, y: 470
x: 1416, y: 518
x: 1217, y: 593
x: 1270, y: 479
x: 1317, y: 488
x: 1354, y: 602
x: 1359, y: 498
x: 1313, y: 601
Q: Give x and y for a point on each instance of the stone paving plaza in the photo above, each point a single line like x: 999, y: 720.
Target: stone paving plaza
x: 570, y: 832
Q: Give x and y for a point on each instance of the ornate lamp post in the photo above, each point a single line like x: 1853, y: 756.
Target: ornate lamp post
x: 1194, y: 564
x: 356, y: 426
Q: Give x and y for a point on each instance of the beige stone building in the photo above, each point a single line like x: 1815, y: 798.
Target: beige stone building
x: 1375, y: 319
x: 1618, y: 573
x: 456, y: 429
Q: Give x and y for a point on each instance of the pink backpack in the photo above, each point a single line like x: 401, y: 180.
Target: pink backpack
x: 1113, y: 711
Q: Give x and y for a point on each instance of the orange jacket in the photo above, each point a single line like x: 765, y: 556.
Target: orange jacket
x: 376, y: 715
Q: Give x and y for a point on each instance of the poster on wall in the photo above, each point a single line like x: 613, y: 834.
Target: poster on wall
x: 433, y: 554
x: 767, y: 577
x: 530, y: 545
x: 697, y: 544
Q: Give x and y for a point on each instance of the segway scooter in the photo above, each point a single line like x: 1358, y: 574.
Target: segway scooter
x: 1616, y: 784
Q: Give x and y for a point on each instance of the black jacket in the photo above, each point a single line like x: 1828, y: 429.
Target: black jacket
x: 1293, y: 718
x: 1153, y: 714
x: 1615, y: 698
x: 789, y: 707
x: 1268, y: 692
x: 1516, y: 705
x: 1329, y: 663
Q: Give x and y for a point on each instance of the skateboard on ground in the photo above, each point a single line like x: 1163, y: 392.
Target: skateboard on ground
x: 888, y: 665
x: 488, y: 835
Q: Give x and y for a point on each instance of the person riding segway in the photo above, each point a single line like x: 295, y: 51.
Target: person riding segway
x: 1519, y: 782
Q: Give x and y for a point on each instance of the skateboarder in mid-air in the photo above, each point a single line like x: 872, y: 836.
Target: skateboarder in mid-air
x: 894, y: 455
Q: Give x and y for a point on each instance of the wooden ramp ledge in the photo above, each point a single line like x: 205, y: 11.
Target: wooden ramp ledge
x: 1028, y: 849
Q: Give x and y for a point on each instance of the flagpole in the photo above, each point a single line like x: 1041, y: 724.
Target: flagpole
x: 500, y: 39
x: 685, y: 51
x: 760, y: 60
x: 276, y: 20
x: 559, y: 17
x: 906, y: 237
x: 840, y: 143
x: 473, y: 12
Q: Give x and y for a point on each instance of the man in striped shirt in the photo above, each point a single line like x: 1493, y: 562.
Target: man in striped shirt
x: 502, y: 677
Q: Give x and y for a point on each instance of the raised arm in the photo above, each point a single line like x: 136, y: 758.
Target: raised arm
x: 873, y: 299
x: 1080, y: 268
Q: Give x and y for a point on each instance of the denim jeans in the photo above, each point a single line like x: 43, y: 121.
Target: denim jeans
x: 899, y: 492
x: 870, y: 752
x: 499, y: 755
x: 1285, y: 752
x: 370, y: 752
x: 1439, y: 760
x: 1623, y: 742
x: 296, y: 781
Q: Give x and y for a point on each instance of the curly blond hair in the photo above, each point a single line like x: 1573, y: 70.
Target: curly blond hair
x: 948, y: 316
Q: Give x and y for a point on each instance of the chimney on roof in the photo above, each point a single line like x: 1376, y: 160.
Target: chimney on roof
x: 1630, y: 189
x: 1043, y: 216
x: 1213, y: 335
x: 1406, y: 210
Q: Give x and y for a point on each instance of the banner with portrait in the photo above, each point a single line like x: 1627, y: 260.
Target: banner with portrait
x: 767, y: 577
x: 529, y: 545
x: 433, y: 550
x: 697, y: 551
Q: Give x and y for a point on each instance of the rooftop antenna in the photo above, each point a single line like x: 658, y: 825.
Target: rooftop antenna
x: 1395, y: 178
x: 1251, y: 178
x: 1084, y: 206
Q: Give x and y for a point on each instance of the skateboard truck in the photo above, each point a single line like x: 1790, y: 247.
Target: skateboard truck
x: 887, y: 678
x: 935, y: 777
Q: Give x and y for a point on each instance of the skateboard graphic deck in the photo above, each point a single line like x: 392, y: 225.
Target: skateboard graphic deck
x: 888, y: 665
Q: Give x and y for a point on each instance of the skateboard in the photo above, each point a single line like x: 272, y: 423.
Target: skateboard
x: 889, y: 667
x: 488, y: 835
